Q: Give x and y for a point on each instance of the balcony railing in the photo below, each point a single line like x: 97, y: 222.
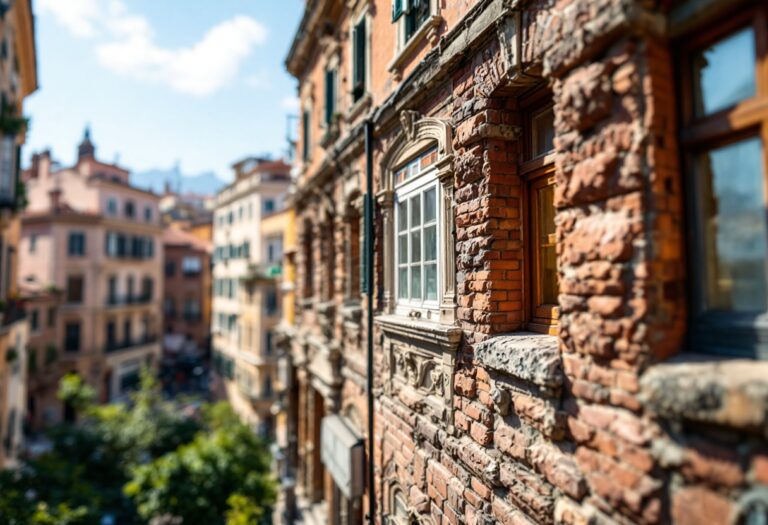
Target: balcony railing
x: 119, y: 346
x: 123, y: 300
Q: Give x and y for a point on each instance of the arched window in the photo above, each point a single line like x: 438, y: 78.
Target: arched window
x: 398, y: 506
x: 417, y: 207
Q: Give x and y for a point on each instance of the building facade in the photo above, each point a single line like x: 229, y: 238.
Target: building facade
x: 186, y: 293
x: 18, y: 80
x: 247, y: 257
x: 97, y: 241
x: 569, y: 262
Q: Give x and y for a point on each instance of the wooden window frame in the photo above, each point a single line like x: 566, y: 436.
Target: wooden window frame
x: 536, y: 172
x: 734, y: 334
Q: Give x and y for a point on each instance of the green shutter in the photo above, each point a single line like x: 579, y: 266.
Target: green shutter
x: 330, y: 95
x: 367, y: 220
x: 358, y: 66
x: 305, y: 138
x: 397, y: 9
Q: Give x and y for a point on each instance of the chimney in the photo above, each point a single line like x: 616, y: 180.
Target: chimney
x: 55, y: 196
x: 34, y: 167
x: 43, y: 164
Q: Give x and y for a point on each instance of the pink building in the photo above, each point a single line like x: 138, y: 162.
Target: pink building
x: 92, y: 236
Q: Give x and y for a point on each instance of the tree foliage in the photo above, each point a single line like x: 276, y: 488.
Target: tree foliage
x: 143, y: 462
x: 197, y: 480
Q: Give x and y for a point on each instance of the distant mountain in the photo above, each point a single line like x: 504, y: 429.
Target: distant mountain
x: 204, y: 183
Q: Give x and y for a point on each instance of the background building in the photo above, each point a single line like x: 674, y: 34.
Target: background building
x: 90, y: 235
x: 187, y: 294
x: 18, y: 80
x: 247, y: 257
x: 569, y: 262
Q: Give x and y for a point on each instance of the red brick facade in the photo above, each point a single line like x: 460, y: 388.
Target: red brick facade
x: 616, y: 418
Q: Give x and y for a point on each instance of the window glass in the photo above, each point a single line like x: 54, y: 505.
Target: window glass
x: 191, y: 264
x: 547, y: 255
x: 417, y: 12
x: 542, y: 132
x: 724, y: 73
x: 732, y: 208
x: 417, y: 245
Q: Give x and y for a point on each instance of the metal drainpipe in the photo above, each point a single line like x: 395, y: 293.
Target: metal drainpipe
x: 369, y: 258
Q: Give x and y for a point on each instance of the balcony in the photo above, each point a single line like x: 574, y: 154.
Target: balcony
x: 120, y: 346
x: 127, y: 300
x: 11, y: 312
x: 264, y: 272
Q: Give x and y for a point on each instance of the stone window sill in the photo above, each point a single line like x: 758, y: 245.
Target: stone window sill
x: 698, y: 388
x: 447, y: 337
x: 531, y: 357
x: 398, y: 62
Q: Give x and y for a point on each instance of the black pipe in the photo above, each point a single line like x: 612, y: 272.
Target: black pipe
x: 369, y: 289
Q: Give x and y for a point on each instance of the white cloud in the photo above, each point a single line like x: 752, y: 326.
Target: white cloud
x: 126, y: 45
x: 290, y: 103
x: 78, y: 16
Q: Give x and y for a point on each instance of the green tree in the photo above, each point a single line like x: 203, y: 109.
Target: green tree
x: 196, y: 482
x: 76, y: 392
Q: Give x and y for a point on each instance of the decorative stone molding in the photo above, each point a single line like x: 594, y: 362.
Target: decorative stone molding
x: 534, y: 358
x: 731, y: 393
x: 419, y: 361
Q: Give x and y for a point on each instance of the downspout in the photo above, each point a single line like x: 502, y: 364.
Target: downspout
x: 369, y: 289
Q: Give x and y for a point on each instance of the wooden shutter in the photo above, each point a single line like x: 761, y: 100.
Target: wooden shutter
x: 358, y: 67
x: 330, y: 95
x: 305, y: 138
x: 397, y: 9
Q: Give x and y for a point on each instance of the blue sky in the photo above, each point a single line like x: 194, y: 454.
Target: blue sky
x: 201, y: 82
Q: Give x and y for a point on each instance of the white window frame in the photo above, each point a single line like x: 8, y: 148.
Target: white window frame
x: 419, y: 185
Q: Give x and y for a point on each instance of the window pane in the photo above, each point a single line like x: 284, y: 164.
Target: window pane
x: 416, y: 246
x: 542, y: 132
x: 430, y: 205
x: 547, y: 257
x: 430, y: 281
x: 725, y: 72
x: 402, y: 249
x: 415, y: 281
x: 430, y: 243
x: 415, y: 205
x: 402, y: 216
x: 734, y: 229
x: 402, y: 283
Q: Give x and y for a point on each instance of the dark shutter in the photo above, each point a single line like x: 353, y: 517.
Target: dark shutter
x: 305, y: 138
x: 367, y: 218
x: 397, y: 9
x: 358, y: 66
x: 330, y: 95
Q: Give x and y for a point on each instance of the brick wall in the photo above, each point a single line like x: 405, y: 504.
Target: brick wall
x: 587, y: 427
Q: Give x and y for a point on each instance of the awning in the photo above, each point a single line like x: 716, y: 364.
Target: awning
x: 342, y: 453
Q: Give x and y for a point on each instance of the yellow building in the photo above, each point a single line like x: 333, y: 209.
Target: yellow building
x: 17, y: 81
x: 248, y: 245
